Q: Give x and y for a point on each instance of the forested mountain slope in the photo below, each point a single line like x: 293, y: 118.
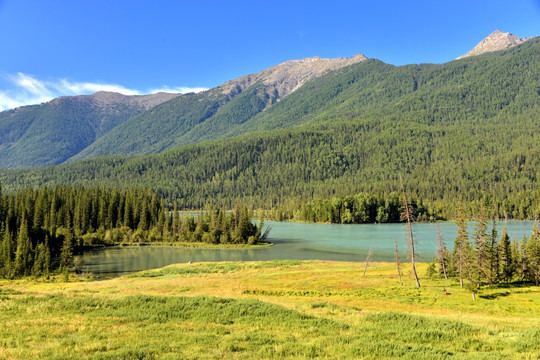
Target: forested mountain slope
x: 52, y: 132
x: 497, y: 85
x: 211, y: 114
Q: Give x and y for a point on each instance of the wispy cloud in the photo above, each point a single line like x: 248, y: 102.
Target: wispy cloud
x: 86, y: 88
x: 24, y: 89
x: 179, y: 89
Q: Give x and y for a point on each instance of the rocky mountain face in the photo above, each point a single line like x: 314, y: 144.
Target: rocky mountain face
x: 52, y: 132
x: 145, y: 102
x: 290, y: 75
x: 496, y: 41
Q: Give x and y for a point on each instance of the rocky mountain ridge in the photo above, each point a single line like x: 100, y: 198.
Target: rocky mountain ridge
x: 290, y: 75
x: 496, y: 41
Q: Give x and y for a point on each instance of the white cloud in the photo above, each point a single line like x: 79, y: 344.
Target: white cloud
x: 25, y: 89
x: 179, y: 89
x: 29, y: 84
x: 85, y: 88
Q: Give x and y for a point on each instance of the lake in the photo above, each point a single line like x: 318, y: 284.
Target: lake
x: 295, y: 241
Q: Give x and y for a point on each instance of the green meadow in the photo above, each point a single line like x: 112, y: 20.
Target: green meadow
x: 266, y: 310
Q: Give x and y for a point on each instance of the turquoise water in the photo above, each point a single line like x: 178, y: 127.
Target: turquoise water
x: 299, y: 241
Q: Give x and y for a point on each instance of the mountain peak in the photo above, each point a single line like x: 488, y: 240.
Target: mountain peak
x: 290, y: 75
x: 495, y: 41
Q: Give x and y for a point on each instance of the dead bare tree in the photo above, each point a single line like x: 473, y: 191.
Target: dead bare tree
x: 408, y: 215
x: 398, y: 261
x: 368, y: 260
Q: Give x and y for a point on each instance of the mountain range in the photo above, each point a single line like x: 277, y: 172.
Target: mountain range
x: 72, y: 128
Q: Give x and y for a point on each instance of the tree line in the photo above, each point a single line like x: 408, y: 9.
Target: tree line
x: 42, y: 229
x: 359, y: 208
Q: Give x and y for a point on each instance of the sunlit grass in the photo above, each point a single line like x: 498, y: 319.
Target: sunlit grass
x: 257, y: 310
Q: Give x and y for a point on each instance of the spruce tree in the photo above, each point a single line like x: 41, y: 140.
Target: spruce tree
x: 7, y: 252
x: 493, y: 255
x: 67, y: 247
x: 461, y: 245
x: 23, y: 254
x: 481, y: 245
x: 533, y: 255
x: 442, y: 253
x: 505, y: 257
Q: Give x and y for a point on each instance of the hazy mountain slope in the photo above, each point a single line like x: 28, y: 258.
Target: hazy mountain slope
x: 198, y: 117
x: 52, y: 132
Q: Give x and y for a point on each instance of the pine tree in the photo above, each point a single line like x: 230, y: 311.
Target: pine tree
x: 67, y: 247
x: 23, y: 254
x: 461, y: 245
x: 493, y: 255
x: 505, y: 257
x: 143, y: 222
x: 533, y: 255
x: 7, y: 252
x: 481, y: 245
x: 522, y: 260
x: 442, y: 253
x: 40, y: 262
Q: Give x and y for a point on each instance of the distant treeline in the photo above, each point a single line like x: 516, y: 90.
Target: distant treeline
x: 386, y: 208
x: 41, y: 229
x: 484, y: 258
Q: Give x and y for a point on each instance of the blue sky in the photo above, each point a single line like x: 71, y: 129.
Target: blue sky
x: 53, y: 48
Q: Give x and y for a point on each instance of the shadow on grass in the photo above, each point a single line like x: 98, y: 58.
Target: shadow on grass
x: 495, y: 296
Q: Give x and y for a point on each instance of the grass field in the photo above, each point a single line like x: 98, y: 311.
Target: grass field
x: 259, y: 310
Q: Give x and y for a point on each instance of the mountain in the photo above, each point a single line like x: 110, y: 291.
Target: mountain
x: 466, y: 129
x: 212, y: 114
x: 52, y: 132
x: 73, y: 128
x: 496, y: 41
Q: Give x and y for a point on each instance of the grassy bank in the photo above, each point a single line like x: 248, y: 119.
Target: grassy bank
x: 276, y: 309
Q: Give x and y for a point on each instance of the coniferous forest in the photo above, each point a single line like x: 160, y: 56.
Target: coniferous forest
x: 481, y: 256
x: 42, y: 229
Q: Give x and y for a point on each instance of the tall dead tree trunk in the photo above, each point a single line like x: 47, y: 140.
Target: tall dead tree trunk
x: 368, y: 260
x: 408, y: 215
x: 398, y: 261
